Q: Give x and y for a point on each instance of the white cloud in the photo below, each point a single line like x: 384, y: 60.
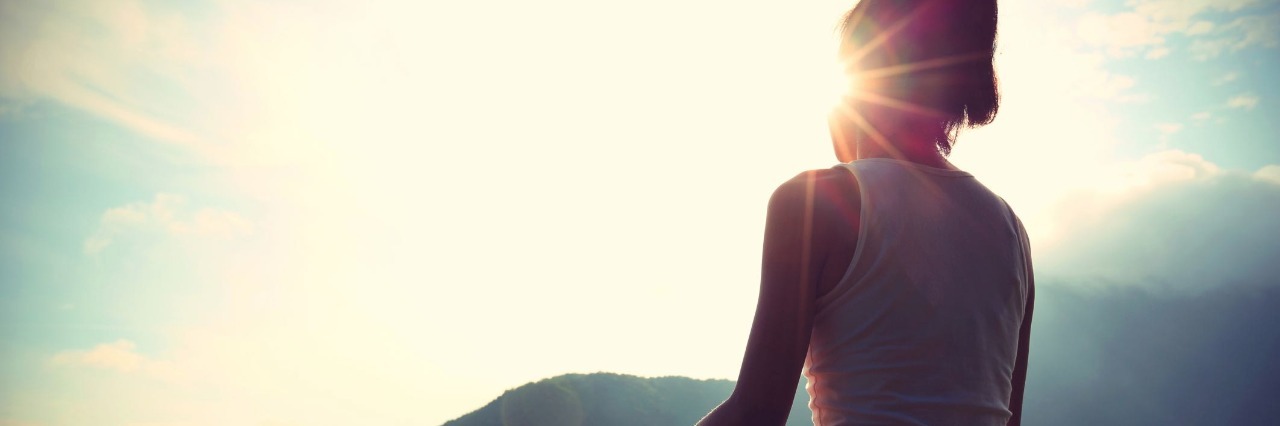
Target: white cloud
x: 1039, y: 63
x: 1201, y: 116
x: 1180, y: 12
x: 89, y: 54
x: 273, y: 368
x: 1256, y: 30
x: 1121, y: 33
x: 1226, y: 78
x: 1158, y: 169
x: 1111, y: 87
x: 1148, y: 24
x: 1239, y: 34
x: 1073, y: 3
x: 118, y: 355
x: 1246, y: 101
x: 167, y: 214
x: 1200, y: 27
x: 1268, y: 173
x: 1208, y: 49
x: 1171, y: 219
x: 1167, y: 130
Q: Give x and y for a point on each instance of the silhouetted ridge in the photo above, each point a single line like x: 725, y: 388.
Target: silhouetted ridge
x: 608, y: 399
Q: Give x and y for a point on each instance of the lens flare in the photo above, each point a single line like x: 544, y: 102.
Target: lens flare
x: 843, y: 84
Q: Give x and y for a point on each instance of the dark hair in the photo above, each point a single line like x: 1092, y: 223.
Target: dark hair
x: 927, y: 57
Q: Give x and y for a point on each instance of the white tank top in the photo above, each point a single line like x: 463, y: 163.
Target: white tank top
x: 923, y: 328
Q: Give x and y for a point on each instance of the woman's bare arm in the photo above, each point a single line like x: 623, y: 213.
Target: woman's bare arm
x: 1020, y: 366
x: 779, y: 340
x: 1024, y: 336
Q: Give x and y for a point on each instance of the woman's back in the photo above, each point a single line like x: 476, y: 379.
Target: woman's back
x: 924, y: 326
x: 906, y: 297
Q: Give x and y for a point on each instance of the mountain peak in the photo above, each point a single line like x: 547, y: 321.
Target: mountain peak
x: 614, y: 400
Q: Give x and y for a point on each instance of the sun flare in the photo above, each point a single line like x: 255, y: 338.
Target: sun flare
x: 842, y: 83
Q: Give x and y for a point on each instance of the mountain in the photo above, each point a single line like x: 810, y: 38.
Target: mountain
x: 608, y: 399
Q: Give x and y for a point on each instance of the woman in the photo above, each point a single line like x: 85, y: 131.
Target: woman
x: 900, y: 284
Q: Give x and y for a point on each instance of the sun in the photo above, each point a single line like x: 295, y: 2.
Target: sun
x: 841, y: 84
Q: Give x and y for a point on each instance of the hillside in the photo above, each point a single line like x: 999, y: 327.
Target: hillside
x: 608, y: 399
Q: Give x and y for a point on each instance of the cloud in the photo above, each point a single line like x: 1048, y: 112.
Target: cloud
x: 104, y: 59
x: 1111, y: 87
x: 1208, y: 49
x: 166, y: 215
x: 1181, y: 11
x: 1168, y: 128
x: 8, y: 422
x: 246, y: 372
x: 1226, y: 78
x: 118, y: 355
x: 230, y: 82
x: 1257, y: 30
x: 237, y: 83
x: 1239, y: 34
x: 1246, y: 101
x: 1201, y: 116
x: 1200, y: 27
x: 1073, y: 3
x: 1175, y: 223
x: 1121, y: 33
x: 1269, y: 173
x: 121, y: 356
x: 1148, y: 26
x: 1155, y: 308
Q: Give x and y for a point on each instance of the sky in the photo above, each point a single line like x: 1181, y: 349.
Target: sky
x: 389, y: 212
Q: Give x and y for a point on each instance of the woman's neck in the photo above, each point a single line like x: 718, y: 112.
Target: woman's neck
x: 907, y: 144
x: 858, y: 135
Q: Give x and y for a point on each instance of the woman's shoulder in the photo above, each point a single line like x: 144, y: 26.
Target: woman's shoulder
x: 823, y: 189
x: 835, y: 180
